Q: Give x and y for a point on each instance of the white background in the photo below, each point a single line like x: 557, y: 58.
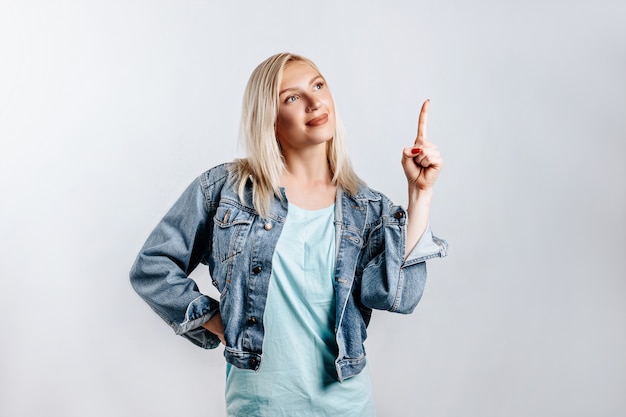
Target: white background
x: 109, y: 109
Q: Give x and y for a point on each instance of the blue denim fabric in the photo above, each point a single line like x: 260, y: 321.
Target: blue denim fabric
x: 210, y: 224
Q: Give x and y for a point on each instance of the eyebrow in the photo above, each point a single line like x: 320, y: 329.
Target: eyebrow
x: 295, y: 88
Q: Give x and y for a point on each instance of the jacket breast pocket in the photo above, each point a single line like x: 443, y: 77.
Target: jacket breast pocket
x: 375, y: 242
x: 232, y: 226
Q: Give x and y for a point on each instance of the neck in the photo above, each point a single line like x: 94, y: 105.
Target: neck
x: 308, y: 167
x: 307, y: 179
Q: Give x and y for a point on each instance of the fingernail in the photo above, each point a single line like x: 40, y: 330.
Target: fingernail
x: 415, y: 151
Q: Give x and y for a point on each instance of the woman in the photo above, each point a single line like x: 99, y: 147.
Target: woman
x: 300, y: 249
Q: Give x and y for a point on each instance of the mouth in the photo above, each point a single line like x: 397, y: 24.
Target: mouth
x: 318, y: 121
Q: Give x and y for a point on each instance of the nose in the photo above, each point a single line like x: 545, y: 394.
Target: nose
x: 313, y: 104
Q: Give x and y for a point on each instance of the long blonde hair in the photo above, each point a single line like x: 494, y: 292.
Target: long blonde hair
x: 264, y: 163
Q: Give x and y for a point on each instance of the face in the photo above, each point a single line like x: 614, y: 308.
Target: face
x: 306, y: 112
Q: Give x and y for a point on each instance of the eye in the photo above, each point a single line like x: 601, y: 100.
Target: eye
x: 318, y: 86
x: 291, y: 99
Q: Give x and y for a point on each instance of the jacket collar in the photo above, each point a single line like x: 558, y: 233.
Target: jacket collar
x: 364, y: 193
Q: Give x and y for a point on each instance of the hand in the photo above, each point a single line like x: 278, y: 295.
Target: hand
x: 422, y: 162
x: 216, y: 326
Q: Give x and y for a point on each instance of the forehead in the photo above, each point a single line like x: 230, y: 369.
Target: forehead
x: 297, y: 72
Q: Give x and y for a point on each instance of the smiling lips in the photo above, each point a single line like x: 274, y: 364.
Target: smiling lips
x: 318, y: 121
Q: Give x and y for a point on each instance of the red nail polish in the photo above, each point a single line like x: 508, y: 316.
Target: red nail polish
x: 415, y: 151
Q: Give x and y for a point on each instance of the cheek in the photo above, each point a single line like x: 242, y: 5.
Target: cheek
x: 283, y: 126
x: 330, y: 103
x: 285, y: 119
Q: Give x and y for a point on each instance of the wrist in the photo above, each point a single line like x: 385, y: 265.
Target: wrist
x: 416, y: 194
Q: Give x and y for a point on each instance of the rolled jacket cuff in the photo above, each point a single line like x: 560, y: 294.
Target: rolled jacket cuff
x: 198, y: 312
x: 428, y: 246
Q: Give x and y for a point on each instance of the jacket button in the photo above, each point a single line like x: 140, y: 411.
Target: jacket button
x: 268, y: 226
x: 398, y: 215
x: 252, y: 320
x: 252, y: 361
x: 257, y: 269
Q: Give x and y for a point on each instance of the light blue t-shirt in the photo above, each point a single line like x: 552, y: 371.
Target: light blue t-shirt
x: 297, y: 375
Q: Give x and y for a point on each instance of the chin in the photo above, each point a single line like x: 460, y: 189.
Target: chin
x: 326, y: 135
x: 324, y: 139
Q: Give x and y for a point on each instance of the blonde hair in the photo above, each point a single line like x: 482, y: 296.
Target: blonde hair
x: 264, y: 163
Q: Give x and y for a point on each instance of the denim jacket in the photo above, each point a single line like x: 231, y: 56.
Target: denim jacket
x: 210, y: 224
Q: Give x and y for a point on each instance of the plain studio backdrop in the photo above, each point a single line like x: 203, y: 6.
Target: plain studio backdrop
x: 109, y: 109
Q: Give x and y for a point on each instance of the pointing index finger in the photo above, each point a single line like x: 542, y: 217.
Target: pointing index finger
x: 422, y: 122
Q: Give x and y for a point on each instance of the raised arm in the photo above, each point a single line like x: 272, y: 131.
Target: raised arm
x: 422, y: 163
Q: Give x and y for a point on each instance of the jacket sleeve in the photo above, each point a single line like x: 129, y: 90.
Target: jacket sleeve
x: 389, y: 281
x: 180, y: 241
